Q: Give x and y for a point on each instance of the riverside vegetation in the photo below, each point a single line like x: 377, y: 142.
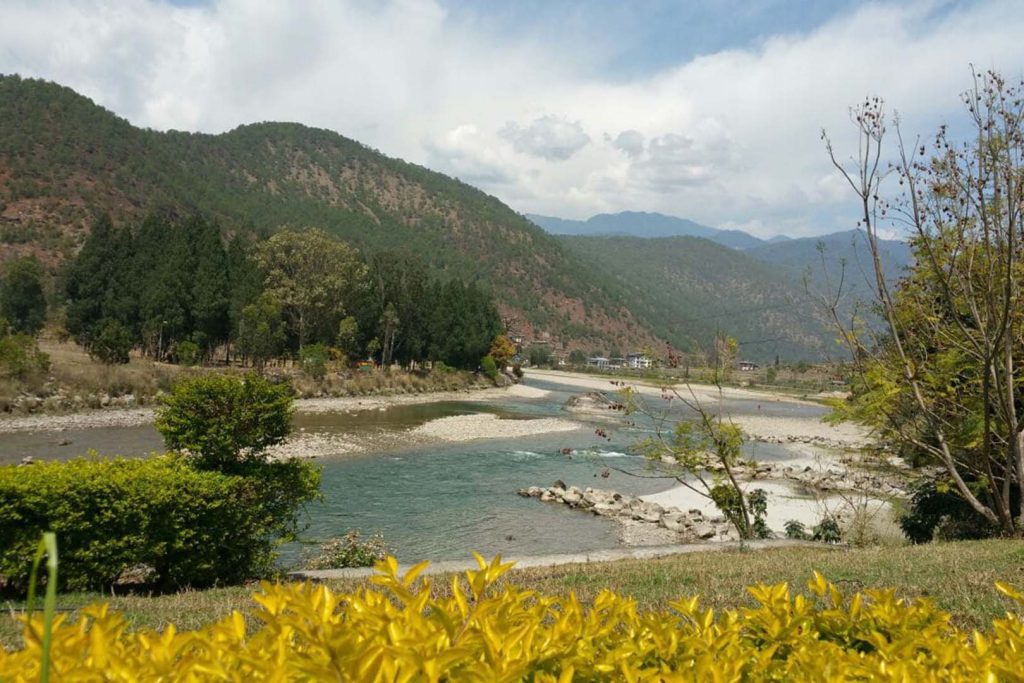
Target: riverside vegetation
x: 398, y: 630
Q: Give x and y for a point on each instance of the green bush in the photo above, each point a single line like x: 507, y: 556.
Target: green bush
x: 936, y: 511
x: 223, y: 420
x: 489, y: 368
x: 112, y: 344
x: 186, y: 352
x: 313, y: 359
x: 351, y: 550
x: 20, y: 356
x: 180, y: 526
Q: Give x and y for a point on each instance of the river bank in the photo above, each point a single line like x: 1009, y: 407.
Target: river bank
x: 133, y: 417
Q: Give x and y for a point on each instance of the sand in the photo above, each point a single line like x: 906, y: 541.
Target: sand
x: 487, y: 426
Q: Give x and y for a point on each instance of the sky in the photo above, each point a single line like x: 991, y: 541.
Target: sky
x: 710, y: 110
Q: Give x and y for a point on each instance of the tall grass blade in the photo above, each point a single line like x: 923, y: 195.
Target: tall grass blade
x: 47, y: 546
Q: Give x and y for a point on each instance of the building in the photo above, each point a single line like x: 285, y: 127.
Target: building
x: 747, y: 366
x: 599, y: 362
x: 638, y: 361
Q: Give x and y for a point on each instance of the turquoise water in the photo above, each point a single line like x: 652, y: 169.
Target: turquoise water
x: 444, y: 500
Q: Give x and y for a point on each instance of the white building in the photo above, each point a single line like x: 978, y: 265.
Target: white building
x: 638, y: 361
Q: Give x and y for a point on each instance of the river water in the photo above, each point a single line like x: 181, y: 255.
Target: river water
x: 443, y: 500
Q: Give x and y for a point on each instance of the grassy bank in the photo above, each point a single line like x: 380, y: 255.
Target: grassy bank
x: 77, y: 382
x: 959, y: 577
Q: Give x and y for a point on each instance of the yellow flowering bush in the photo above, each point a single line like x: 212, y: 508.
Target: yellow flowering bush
x: 396, y: 631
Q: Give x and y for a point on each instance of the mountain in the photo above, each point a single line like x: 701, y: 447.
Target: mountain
x: 687, y: 289
x: 63, y: 159
x: 643, y: 224
x: 830, y: 259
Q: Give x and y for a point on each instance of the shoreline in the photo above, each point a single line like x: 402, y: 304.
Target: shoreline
x: 135, y: 417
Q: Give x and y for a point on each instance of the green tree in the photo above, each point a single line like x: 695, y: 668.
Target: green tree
x: 224, y: 421
x: 943, y: 383
x: 112, y: 344
x: 314, y: 277
x: 261, y: 334
x: 22, y: 298
x: 348, y: 337
x: 577, y: 357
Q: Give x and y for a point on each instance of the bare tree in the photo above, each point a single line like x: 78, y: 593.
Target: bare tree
x: 943, y: 381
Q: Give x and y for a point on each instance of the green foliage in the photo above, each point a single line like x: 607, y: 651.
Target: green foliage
x: 348, y: 337
x: 20, y: 356
x: 577, y: 357
x: 186, y: 352
x: 540, y: 354
x: 489, y: 368
x: 22, y: 298
x: 350, y: 550
x: 182, y: 527
x: 111, y: 344
x: 313, y: 276
x: 313, y: 359
x: 261, y: 334
x: 936, y: 511
x: 795, y: 529
x: 827, y: 530
x: 224, y: 421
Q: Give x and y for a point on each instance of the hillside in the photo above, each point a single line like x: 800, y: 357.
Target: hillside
x: 830, y: 259
x: 63, y: 159
x: 644, y: 224
x: 687, y: 288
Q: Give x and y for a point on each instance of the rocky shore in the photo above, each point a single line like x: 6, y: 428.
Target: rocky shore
x: 644, y: 522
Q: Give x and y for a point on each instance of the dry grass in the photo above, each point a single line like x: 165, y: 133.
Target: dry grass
x: 77, y: 382
x: 959, y: 577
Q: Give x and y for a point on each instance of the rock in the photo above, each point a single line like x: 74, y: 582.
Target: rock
x: 704, y: 531
x: 572, y: 498
x: 559, y: 484
x: 547, y: 496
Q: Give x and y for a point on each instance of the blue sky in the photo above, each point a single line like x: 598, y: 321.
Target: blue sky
x: 709, y: 110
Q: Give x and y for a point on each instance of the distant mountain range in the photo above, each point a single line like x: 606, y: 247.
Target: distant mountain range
x: 643, y: 224
x: 63, y: 160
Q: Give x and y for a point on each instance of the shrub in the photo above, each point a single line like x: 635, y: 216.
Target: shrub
x: 112, y: 345
x: 489, y: 368
x: 348, y: 551
x: 935, y: 510
x: 20, y: 356
x: 795, y: 529
x: 313, y: 359
x: 398, y: 630
x: 187, y: 527
x: 224, y: 420
x: 186, y: 352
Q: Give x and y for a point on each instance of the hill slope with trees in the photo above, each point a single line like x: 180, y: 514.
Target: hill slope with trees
x: 689, y: 289
x: 63, y: 160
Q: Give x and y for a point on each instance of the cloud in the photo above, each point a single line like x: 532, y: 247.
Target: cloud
x: 725, y: 138
x: 631, y: 142
x: 548, y: 137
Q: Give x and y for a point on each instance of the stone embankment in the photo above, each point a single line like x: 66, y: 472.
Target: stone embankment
x: 835, y: 476
x: 685, y: 525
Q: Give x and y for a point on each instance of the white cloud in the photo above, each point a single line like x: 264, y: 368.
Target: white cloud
x: 730, y: 138
x: 548, y: 137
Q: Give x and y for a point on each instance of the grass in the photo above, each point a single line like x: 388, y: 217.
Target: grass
x: 959, y: 577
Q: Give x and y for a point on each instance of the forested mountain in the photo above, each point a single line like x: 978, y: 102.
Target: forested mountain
x: 830, y: 260
x: 63, y: 159
x: 688, y: 289
x: 644, y: 224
